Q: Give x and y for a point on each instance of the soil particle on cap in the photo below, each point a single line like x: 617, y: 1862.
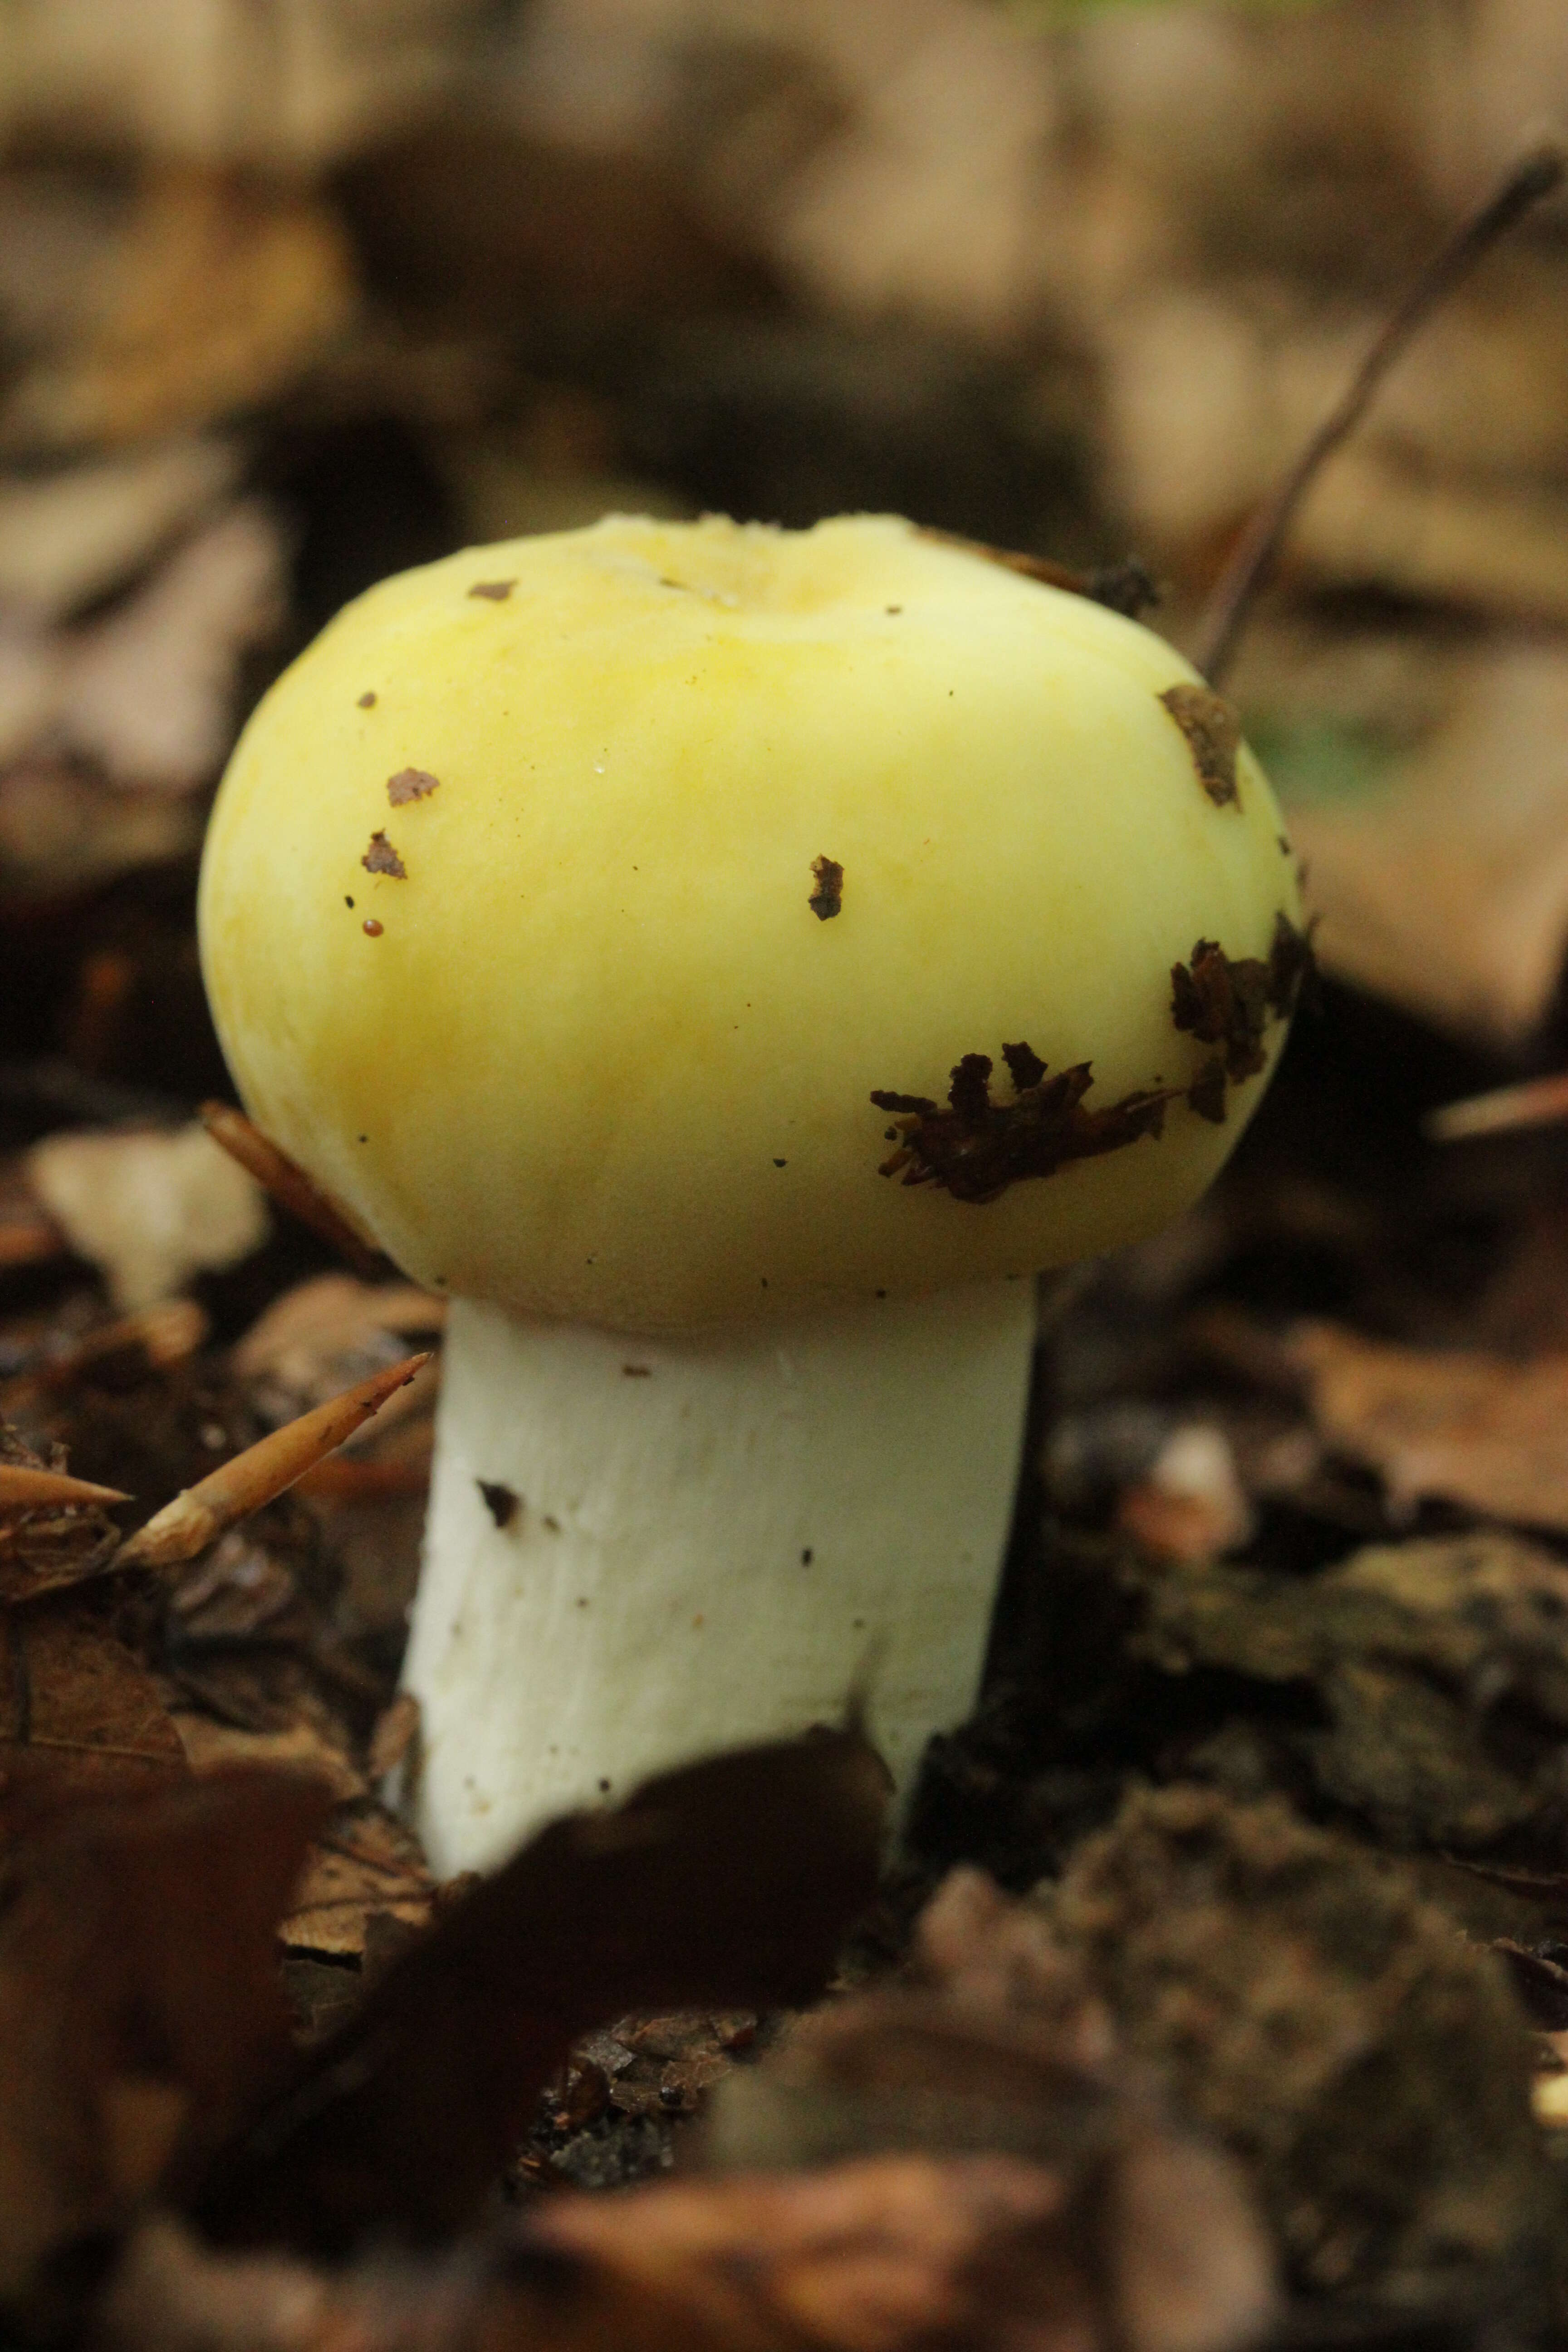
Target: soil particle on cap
x: 977, y: 1147
x: 367, y: 702
x: 382, y: 859
x: 410, y: 784
x: 1206, y: 1096
x: 503, y: 1503
x: 495, y: 592
x: 1125, y: 587
x: 1213, y: 738
x: 1229, y: 1001
x: 1223, y: 1000
x: 828, y: 897
x: 1025, y: 1067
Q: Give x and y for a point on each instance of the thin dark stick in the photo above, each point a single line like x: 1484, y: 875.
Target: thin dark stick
x: 1253, y: 558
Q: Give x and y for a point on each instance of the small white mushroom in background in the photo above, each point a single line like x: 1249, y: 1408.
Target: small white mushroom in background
x: 731, y: 964
x: 149, y: 1210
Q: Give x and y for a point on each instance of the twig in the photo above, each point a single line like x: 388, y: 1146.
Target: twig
x: 1534, y: 1103
x: 202, y: 1513
x: 1253, y: 558
x: 22, y: 1489
x: 286, y: 1182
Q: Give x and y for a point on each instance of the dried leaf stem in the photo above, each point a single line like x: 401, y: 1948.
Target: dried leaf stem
x: 1252, y: 561
x: 285, y: 1181
x: 197, y: 1516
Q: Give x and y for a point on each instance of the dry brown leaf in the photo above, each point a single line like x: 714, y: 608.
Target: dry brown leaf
x: 363, y: 1866
x: 728, y: 1883
x: 76, y: 1703
x: 200, y: 78
x: 1447, y: 891
x: 322, y: 1335
x: 1297, y: 1997
x: 62, y: 829
x: 1479, y: 1430
x: 998, y: 2045
x: 884, y: 2254
x: 890, y: 2254
x: 397, y: 1731
x: 873, y: 2253
x: 140, y: 2012
x: 212, y: 297
x: 209, y: 1746
x: 148, y: 694
x: 70, y: 536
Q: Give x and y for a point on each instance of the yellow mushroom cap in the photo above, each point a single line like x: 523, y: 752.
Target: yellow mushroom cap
x: 566, y: 902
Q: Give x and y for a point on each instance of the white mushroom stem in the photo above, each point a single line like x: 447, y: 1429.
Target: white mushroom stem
x: 712, y: 1542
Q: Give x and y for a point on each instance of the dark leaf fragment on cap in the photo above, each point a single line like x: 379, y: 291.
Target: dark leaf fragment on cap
x: 1207, y: 1094
x: 495, y: 592
x: 977, y: 1147
x: 1125, y: 587
x: 1213, y: 738
x: 410, y: 784
x: 1230, y: 1001
x: 382, y: 859
x: 828, y: 897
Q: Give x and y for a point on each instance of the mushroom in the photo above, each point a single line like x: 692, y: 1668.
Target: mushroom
x: 732, y: 962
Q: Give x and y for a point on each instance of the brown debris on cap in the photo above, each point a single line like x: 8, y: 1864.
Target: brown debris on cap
x: 1229, y: 1001
x: 1125, y: 587
x: 408, y: 785
x: 827, y: 897
x: 382, y: 859
x: 977, y: 1147
x: 495, y: 592
x: 1206, y: 1096
x: 1214, y: 737
x: 1223, y: 1000
x: 1025, y: 1067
